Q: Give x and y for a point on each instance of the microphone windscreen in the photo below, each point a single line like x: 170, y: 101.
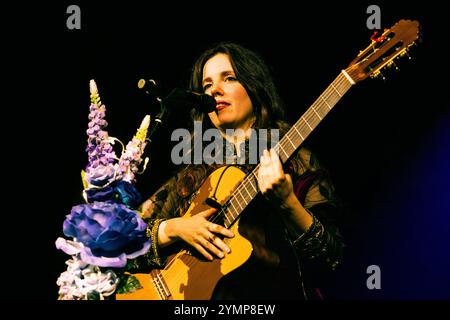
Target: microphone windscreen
x: 208, y: 103
x: 150, y: 86
x: 185, y: 98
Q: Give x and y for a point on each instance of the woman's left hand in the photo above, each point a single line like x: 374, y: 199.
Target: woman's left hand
x: 274, y: 184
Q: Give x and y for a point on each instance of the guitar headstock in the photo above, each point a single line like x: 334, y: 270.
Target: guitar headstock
x: 393, y: 43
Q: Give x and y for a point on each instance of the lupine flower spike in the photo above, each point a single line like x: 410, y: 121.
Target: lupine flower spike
x: 132, y: 157
x: 100, y: 169
x: 107, y: 231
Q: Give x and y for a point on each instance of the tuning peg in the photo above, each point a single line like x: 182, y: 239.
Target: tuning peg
x: 405, y: 52
x: 378, y: 74
x: 392, y: 64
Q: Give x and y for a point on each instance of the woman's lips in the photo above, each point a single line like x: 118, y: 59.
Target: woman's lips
x: 222, y: 105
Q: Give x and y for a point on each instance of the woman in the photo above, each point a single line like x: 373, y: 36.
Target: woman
x: 295, y: 238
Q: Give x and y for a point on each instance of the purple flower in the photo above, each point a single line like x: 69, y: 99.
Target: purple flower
x: 100, y: 175
x: 127, y: 194
x: 110, y: 233
x: 100, y: 194
x: 118, y: 191
x: 100, y: 151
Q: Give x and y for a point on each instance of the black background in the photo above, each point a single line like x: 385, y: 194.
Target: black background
x: 385, y: 144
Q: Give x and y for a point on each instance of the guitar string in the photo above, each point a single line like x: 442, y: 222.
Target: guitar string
x: 284, y: 144
x: 341, y: 85
x: 191, y: 261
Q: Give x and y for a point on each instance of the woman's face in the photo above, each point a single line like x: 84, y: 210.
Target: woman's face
x: 234, y: 108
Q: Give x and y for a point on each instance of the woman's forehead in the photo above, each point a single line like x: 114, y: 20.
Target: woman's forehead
x: 216, y: 65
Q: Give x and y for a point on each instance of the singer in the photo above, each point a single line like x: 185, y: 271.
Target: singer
x: 292, y: 225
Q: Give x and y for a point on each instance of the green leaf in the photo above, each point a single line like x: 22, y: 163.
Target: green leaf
x: 128, y: 283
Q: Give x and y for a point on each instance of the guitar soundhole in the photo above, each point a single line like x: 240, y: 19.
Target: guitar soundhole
x: 218, y: 218
x: 213, y: 203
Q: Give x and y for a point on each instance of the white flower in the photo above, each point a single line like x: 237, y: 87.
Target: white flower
x: 83, y: 281
x: 68, y: 246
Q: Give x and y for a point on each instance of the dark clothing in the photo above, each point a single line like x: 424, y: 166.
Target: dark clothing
x: 283, y: 265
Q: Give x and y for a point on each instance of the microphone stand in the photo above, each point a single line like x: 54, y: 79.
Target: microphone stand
x: 201, y: 102
x: 160, y: 118
x: 152, y: 88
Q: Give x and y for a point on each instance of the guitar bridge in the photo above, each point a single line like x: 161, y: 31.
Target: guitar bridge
x: 160, y: 285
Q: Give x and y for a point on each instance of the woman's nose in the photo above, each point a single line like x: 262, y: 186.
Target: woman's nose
x: 216, y: 90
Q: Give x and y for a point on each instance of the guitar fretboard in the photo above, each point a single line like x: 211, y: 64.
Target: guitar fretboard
x: 291, y: 141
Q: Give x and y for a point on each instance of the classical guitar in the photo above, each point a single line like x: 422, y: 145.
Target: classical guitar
x: 189, y: 277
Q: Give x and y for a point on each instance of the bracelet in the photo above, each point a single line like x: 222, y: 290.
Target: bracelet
x: 152, y: 233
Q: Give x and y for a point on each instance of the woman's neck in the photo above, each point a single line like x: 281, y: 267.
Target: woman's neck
x: 236, y: 137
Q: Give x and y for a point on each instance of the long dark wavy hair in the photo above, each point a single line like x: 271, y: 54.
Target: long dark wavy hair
x: 253, y: 73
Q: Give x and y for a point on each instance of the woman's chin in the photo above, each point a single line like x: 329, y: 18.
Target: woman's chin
x: 229, y: 124
x: 226, y: 120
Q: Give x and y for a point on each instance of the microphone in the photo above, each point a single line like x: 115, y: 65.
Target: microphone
x: 185, y: 98
x: 150, y: 87
x: 178, y: 97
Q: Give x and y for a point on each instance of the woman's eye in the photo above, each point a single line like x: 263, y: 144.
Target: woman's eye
x: 206, y: 86
x: 230, y: 78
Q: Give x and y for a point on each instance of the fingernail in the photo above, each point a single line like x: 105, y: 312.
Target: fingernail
x: 227, y: 250
x: 220, y: 255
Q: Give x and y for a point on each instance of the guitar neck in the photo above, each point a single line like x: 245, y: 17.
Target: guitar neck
x: 290, y: 142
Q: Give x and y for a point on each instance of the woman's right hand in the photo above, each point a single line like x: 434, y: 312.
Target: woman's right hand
x: 198, y: 232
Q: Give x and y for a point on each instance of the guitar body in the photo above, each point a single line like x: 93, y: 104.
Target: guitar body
x: 187, y: 276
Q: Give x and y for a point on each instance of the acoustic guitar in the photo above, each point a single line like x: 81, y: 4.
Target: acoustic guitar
x: 187, y: 276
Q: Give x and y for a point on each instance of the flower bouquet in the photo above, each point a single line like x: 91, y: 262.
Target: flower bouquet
x: 107, y: 231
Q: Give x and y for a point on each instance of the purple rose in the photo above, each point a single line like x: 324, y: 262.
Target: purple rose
x: 110, y: 233
x: 100, y: 175
x: 118, y: 191
x: 127, y: 194
x: 100, y: 194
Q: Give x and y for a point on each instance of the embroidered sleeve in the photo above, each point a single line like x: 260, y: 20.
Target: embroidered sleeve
x: 152, y: 232
x: 162, y: 205
x: 152, y: 259
x: 322, y: 243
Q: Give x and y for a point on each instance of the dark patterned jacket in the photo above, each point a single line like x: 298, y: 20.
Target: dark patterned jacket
x: 283, y: 265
